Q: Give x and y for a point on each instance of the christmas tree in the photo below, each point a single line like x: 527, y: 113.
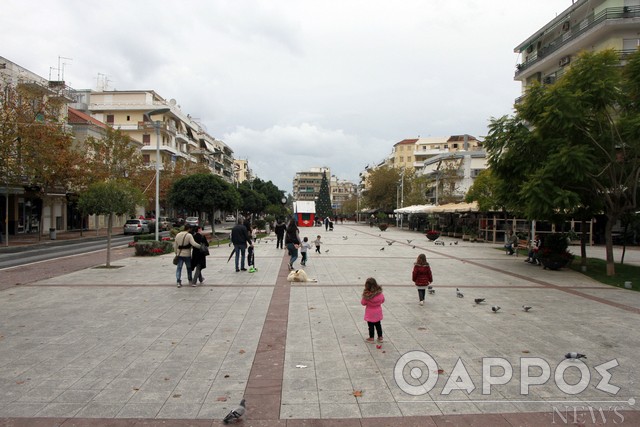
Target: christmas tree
x: 323, y: 204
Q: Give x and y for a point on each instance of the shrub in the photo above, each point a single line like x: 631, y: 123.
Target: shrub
x: 151, y: 248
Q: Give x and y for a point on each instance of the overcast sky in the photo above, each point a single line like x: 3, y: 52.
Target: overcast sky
x: 293, y: 84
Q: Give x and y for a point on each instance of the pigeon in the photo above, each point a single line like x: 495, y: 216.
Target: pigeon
x: 382, y: 248
x: 389, y: 242
x: 326, y: 251
x: 431, y: 290
x: 526, y: 307
x: 495, y: 308
x: 450, y: 243
x: 409, y: 241
x: 455, y: 243
x: 235, y: 414
x: 345, y: 237
x: 413, y: 247
x: 574, y: 355
x: 478, y: 300
x: 459, y: 294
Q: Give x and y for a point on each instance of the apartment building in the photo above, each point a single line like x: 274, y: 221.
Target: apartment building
x: 242, y: 171
x: 306, y: 184
x: 586, y: 25
x: 341, y: 190
x: 180, y: 138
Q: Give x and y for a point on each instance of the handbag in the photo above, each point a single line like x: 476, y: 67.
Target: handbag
x: 204, y: 250
x: 175, y: 260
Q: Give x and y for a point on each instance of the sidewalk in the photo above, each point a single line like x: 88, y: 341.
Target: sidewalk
x: 124, y: 345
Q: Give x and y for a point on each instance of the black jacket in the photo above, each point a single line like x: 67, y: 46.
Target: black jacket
x: 240, y: 235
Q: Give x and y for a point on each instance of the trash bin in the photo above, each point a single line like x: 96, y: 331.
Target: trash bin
x: 52, y: 233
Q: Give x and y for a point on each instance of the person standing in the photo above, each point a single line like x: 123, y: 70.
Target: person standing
x: 326, y: 223
x: 512, y: 243
x: 421, y: 276
x: 241, y: 239
x: 182, y: 247
x: 372, y: 299
x: 292, y: 240
x: 304, y: 247
x: 199, y: 257
x: 279, y: 229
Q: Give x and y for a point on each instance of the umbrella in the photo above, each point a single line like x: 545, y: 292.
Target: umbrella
x: 231, y: 254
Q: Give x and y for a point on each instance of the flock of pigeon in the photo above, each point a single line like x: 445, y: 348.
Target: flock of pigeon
x: 494, y: 308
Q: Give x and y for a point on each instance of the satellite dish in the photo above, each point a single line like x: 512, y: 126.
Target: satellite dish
x: 172, y: 101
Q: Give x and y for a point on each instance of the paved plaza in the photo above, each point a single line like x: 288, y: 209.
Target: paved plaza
x: 121, y: 346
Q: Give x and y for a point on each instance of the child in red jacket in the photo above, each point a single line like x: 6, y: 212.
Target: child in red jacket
x: 421, y: 276
x: 372, y: 299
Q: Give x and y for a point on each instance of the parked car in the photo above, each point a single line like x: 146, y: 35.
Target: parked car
x: 192, y: 221
x: 164, y: 223
x: 136, y: 226
x: 230, y: 218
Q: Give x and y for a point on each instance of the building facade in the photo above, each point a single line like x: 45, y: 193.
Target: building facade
x: 306, y: 184
x: 587, y: 25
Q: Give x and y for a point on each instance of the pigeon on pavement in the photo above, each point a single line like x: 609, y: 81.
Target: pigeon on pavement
x: 478, y: 300
x: 389, y: 242
x: 236, y: 414
x: 382, y: 248
x: 345, y: 237
x: 526, y: 307
x: 431, y: 290
x: 574, y: 355
x: 459, y: 294
x: 326, y: 251
x: 495, y: 308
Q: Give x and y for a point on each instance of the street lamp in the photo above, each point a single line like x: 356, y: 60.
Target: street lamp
x: 156, y: 125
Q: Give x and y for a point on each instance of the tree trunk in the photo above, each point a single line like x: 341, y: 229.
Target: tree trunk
x: 611, y: 270
x: 624, y: 241
x: 109, y: 224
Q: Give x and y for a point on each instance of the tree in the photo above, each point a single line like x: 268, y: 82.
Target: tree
x: 483, y: 191
x: 323, y: 205
x: 204, y: 193
x: 382, y: 190
x: 114, y: 156
x: 573, y: 147
x: 111, y: 197
x: 252, y: 201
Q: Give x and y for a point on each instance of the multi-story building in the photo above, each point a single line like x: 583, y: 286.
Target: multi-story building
x: 181, y: 138
x: 341, y: 191
x: 586, y: 25
x: 242, y: 171
x: 306, y: 184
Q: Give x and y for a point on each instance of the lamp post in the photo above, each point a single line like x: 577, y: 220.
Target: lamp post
x: 156, y: 125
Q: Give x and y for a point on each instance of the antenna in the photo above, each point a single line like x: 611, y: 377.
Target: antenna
x: 59, y: 69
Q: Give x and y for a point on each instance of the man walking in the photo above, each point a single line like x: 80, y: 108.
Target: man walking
x: 240, y: 238
x: 279, y: 230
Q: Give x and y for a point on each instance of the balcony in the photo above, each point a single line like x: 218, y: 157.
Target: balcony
x: 609, y: 14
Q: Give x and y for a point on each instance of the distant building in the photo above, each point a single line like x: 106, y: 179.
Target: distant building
x: 306, y: 184
x: 586, y: 25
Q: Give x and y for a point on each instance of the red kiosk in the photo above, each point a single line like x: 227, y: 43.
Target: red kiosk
x: 305, y: 213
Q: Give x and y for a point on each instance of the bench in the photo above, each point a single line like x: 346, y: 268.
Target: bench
x: 522, y: 244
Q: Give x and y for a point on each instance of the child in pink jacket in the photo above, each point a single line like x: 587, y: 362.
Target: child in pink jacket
x: 372, y: 299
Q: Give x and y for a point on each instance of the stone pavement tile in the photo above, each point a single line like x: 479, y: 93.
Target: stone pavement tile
x: 140, y: 410
x: 100, y: 410
x: 299, y: 411
x: 337, y: 396
x: 32, y: 422
x: 419, y: 408
x: 179, y: 410
x: 114, y: 395
x: 61, y: 409
x: 488, y: 420
x: 339, y: 410
x: 22, y: 409
x: 300, y: 397
x: 380, y: 409
x: 399, y: 422
x: 40, y: 395
x: 76, y: 396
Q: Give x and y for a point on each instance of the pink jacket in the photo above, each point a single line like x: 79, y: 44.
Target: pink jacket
x: 373, y: 308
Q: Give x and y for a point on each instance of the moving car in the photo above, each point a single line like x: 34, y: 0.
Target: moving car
x: 136, y: 226
x: 230, y: 218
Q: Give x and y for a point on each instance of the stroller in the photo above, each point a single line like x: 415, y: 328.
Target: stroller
x: 330, y: 225
x: 251, y: 260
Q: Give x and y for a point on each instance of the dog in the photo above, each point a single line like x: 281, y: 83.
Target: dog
x: 299, y: 276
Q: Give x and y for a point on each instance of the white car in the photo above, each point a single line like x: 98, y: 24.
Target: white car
x: 230, y: 218
x: 136, y: 226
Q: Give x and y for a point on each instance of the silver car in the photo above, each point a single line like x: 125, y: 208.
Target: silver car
x: 193, y: 221
x: 136, y: 226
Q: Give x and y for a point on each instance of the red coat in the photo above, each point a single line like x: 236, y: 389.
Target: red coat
x: 422, y: 275
x: 373, y: 308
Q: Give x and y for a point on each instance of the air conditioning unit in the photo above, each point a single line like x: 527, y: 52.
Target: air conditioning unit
x: 566, y: 25
x: 564, y: 61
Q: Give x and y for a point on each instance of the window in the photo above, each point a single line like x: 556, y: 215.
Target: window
x: 145, y: 159
x: 401, y: 158
x: 128, y: 118
x: 409, y: 159
x: 146, y: 139
x: 110, y: 119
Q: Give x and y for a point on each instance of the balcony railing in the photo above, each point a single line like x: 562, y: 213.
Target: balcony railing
x: 578, y: 30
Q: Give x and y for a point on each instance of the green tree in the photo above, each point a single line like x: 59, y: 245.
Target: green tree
x: 113, y: 197
x: 573, y: 147
x: 323, y: 205
x: 383, y: 188
x: 253, y: 202
x: 483, y: 191
x: 204, y: 193
x: 114, y: 156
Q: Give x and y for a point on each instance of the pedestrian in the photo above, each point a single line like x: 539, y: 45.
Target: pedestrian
x: 292, y: 240
x: 182, y: 247
x: 421, y: 276
x: 534, y: 248
x: 199, y: 257
x: 280, y: 228
x: 512, y: 243
x: 372, y: 299
x: 326, y: 223
x: 317, y: 242
x: 241, y: 239
x: 304, y: 247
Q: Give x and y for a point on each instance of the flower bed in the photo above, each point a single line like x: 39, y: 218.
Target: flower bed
x: 152, y: 248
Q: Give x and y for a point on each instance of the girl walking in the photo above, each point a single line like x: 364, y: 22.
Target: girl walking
x: 292, y: 240
x: 372, y: 299
x: 421, y: 276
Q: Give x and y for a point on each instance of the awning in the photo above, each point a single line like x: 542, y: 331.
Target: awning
x: 415, y: 209
x: 448, y: 208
